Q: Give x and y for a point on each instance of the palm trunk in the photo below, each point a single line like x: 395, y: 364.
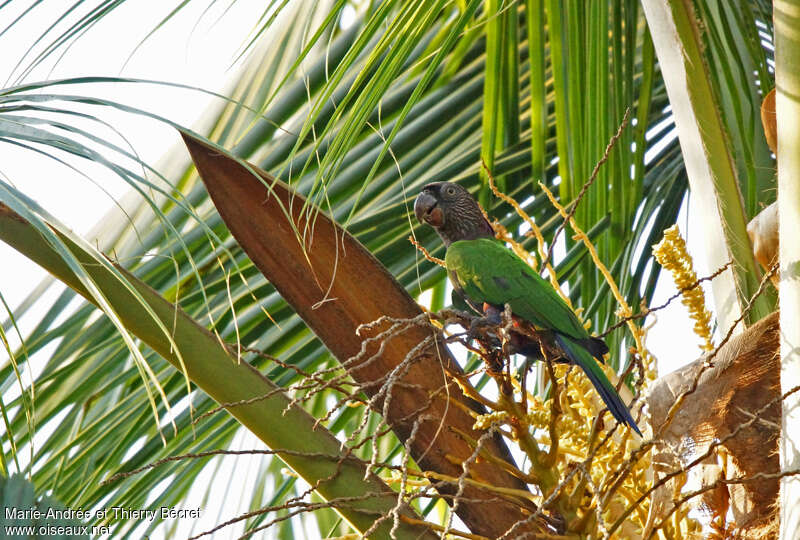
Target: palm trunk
x: 787, y: 78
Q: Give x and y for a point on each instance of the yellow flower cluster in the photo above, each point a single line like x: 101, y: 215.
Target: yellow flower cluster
x: 483, y: 421
x: 672, y: 255
x: 580, y: 404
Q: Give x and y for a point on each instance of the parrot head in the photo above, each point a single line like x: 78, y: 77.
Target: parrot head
x: 452, y: 211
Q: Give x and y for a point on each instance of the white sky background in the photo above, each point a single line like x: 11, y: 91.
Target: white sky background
x: 201, y: 58
x: 174, y: 54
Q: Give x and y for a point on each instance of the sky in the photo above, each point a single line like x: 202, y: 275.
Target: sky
x: 176, y: 53
x: 200, y: 54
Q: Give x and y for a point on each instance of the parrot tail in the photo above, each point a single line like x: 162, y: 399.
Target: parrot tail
x: 578, y: 354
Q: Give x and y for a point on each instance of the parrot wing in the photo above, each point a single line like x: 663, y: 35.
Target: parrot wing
x: 486, y: 271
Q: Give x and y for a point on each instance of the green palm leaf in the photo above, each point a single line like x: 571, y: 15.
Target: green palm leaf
x: 358, y: 120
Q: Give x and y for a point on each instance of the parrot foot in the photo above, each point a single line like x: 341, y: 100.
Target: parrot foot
x: 479, y: 327
x: 492, y: 314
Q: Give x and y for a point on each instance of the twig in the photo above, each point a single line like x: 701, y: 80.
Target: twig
x: 555, y: 411
x: 303, y: 507
x: 708, y: 362
x: 721, y: 482
x: 441, y: 529
x: 489, y: 433
x: 644, y: 313
x: 212, y: 453
x: 589, y: 182
x: 425, y: 252
x: 699, y: 459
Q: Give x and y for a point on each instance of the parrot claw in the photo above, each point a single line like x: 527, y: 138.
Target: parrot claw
x: 492, y: 315
x: 480, y: 326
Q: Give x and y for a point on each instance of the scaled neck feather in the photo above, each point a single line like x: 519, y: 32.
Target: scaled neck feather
x: 469, y: 225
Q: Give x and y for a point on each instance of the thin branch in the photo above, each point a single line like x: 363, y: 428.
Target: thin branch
x: 699, y: 459
x: 648, y: 311
x: 592, y: 177
x: 425, y: 252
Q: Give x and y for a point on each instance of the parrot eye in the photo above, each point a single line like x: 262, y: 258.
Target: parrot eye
x: 450, y: 190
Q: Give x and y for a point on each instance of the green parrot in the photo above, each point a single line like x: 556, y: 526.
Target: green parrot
x: 487, y: 274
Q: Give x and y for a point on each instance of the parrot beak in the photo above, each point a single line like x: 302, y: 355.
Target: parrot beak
x: 427, y: 210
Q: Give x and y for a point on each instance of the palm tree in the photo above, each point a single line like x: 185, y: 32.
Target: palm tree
x: 786, y: 58
x: 523, y: 96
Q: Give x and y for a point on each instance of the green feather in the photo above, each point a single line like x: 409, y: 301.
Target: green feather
x: 486, y: 271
